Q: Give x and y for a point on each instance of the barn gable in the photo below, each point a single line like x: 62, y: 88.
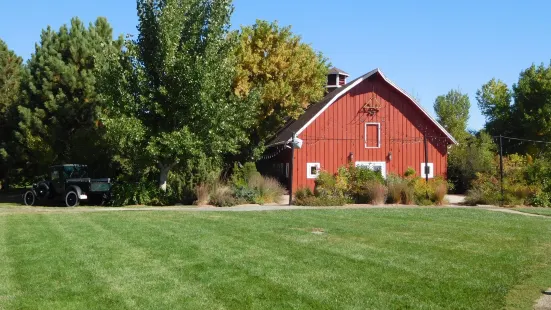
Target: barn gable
x: 284, y: 135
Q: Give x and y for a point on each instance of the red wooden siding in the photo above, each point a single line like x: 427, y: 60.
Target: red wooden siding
x: 340, y: 130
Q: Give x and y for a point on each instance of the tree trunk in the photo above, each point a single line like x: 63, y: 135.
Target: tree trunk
x: 163, y: 177
x: 5, y: 183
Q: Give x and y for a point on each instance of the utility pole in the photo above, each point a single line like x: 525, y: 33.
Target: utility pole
x: 291, y: 168
x: 426, y: 168
x: 426, y: 172
x: 501, y: 168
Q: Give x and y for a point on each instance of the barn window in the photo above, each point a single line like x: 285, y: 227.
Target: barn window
x: 312, y: 170
x: 372, y: 135
x: 429, y: 170
x: 332, y: 80
x: 342, y: 80
x: 379, y: 166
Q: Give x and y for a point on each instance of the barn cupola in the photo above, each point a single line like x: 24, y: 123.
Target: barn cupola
x: 336, y: 78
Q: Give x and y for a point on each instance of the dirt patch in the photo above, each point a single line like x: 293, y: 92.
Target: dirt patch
x: 544, y: 303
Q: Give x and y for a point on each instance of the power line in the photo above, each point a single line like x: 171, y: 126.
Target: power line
x: 520, y: 139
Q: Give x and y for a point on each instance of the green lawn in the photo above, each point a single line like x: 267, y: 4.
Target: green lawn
x: 541, y: 211
x: 382, y: 259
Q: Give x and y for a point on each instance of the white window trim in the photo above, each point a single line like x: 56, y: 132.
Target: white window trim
x: 370, y: 164
x: 431, y: 174
x: 286, y: 170
x: 378, y: 135
x: 309, y: 166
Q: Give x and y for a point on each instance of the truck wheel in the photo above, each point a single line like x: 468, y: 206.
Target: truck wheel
x: 71, y: 199
x: 29, y: 198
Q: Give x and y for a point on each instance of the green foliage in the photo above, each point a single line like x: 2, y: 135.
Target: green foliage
x: 250, y: 187
x: 326, y: 186
x: 358, y: 177
x: 410, y: 172
x: 452, y: 112
x: 241, y: 175
x: 289, y: 74
x: 11, y: 72
x: 494, y: 101
x: 476, y: 154
x: 138, y: 193
x: 175, y: 81
x: 527, y: 105
x: 532, y: 106
x: 303, y: 193
x: 526, y: 182
x: 58, y: 118
x: 305, y: 197
x: 429, y: 193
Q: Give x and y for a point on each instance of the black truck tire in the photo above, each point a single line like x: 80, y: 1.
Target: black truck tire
x: 71, y: 199
x: 29, y: 198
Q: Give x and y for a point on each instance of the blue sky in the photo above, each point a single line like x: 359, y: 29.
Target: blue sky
x: 426, y: 47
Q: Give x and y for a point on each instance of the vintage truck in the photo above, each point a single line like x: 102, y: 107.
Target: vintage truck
x: 71, y: 184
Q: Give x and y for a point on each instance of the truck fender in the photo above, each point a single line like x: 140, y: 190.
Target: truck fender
x: 79, y: 192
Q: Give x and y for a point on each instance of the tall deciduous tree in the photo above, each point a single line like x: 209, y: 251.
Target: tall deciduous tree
x: 494, y: 101
x: 532, y: 108
x: 288, y: 72
x: 11, y: 70
x: 59, y: 114
x: 523, y: 112
x: 452, y: 112
x: 171, y: 93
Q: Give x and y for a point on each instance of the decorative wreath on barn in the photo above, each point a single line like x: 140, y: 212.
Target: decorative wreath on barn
x: 372, y: 106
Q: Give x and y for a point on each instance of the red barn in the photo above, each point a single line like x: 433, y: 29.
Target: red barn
x: 369, y: 121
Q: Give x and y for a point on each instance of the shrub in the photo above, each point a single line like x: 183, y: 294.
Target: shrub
x: 138, y: 193
x: 266, y: 190
x: 422, y: 192
x: 202, y: 194
x: 475, y: 196
x: 358, y: 178
x: 375, y: 192
x: 408, y: 195
x: 249, y: 186
x: 326, y: 185
x: 244, y: 194
x: 541, y: 199
x: 327, y: 201
x: 242, y: 175
x: 410, y: 172
x: 440, y: 192
x: 395, y: 192
x: 302, y: 194
x: 305, y: 197
x: 222, y: 196
x: 429, y: 193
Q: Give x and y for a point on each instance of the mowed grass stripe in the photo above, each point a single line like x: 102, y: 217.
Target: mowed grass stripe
x: 8, y: 291
x: 132, y: 269
x: 414, y: 258
x: 47, y: 271
x: 223, y: 269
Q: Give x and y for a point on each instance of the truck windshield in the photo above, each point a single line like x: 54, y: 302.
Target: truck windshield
x: 75, y: 172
